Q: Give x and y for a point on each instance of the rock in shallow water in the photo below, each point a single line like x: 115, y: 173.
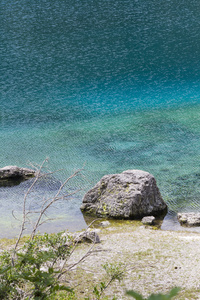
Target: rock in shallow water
x: 15, y: 173
x: 189, y: 219
x: 130, y: 195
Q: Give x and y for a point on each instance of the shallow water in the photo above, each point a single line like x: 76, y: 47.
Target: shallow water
x: 108, y: 86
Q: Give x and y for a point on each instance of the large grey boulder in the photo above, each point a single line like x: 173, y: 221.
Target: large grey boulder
x: 132, y: 194
x: 15, y: 173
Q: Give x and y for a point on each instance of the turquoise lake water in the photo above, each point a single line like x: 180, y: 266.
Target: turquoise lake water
x: 106, y: 85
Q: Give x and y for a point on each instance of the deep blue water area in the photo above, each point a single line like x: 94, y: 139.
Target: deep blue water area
x: 109, y: 85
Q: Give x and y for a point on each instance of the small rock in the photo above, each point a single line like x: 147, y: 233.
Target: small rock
x: 44, y: 269
x: 87, y: 236
x: 148, y: 220
x: 189, y: 219
x: 105, y: 224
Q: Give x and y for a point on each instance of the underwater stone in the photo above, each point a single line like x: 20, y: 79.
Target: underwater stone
x: 132, y: 194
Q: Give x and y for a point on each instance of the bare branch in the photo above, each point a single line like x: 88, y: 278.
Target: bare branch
x: 54, y: 199
x: 14, y: 216
x: 76, y: 263
x: 82, y: 258
x: 47, y: 220
x: 24, y: 209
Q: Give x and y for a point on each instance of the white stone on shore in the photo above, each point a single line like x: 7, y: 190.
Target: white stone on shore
x: 149, y: 220
x: 105, y: 223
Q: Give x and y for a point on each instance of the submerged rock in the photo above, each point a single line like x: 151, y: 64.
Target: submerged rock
x: 189, y: 219
x: 132, y: 194
x: 14, y: 173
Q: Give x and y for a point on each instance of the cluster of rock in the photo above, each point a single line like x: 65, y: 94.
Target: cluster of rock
x: 133, y: 194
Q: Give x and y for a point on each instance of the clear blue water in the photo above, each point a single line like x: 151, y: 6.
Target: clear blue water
x: 109, y: 85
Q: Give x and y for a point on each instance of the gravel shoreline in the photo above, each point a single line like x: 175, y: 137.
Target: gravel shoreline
x: 155, y: 261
